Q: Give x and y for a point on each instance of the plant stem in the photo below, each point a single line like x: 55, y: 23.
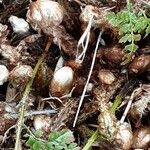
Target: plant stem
x: 91, y: 140
x: 23, y: 103
x: 25, y: 97
x: 116, y: 103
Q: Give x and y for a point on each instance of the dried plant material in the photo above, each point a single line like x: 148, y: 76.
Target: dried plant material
x: 75, y: 65
x: 66, y: 43
x: 107, y: 124
x: 4, y: 73
x: 104, y: 93
x: 141, y: 105
x: 141, y: 3
x: 20, y: 75
x: 84, y: 133
x: 89, y: 110
x: 93, y: 97
x: 106, y: 77
x: 42, y: 79
x: 11, y: 94
x: 92, y: 2
x: 98, y: 14
x: 64, y: 116
x: 92, y: 37
x: 13, y: 7
x: 13, y: 55
x: 6, y: 119
x: 139, y: 64
x: 3, y: 33
x: 32, y: 38
x: 84, y: 42
x: 10, y: 53
x: 89, y: 74
x: 62, y: 82
x: 141, y: 138
x: 19, y: 25
x: 124, y: 136
x: 3, y: 29
x: 45, y: 14
x: 106, y: 120
x: 79, y: 85
x: 114, y: 54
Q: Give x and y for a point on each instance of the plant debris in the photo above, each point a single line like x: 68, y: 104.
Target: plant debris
x: 74, y: 74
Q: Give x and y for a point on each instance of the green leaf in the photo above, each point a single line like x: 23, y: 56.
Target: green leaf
x: 131, y: 25
x: 137, y: 37
x: 110, y: 15
x: 123, y: 17
x: 67, y: 137
x: 61, y: 140
x: 62, y: 136
x: 73, y: 146
x: 126, y: 38
x: 140, y: 25
x: 133, y: 18
x: 125, y: 28
x: 147, y: 31
x: 49, y: 146
x: 131, y: 48
x: 30, y: 141
x: 54, y: 135
x: 38, y: 146
x: 38, y: 133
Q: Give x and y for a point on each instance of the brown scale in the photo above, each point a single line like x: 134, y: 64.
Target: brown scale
x: 139, y: 64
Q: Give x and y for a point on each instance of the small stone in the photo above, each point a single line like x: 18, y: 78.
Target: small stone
x: 4, y: 73
x: 19, y: 25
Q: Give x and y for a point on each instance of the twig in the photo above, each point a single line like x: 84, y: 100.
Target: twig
x: 128, y: 107
x: 59, y: 99
x: 33, y: 113
x: 5, y: 134
x: 52, y: 98
x: 23, y: 104
x: 40, y: 112
x: 25, y: 97
x: 68, y: 95
x: 89, y: 76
